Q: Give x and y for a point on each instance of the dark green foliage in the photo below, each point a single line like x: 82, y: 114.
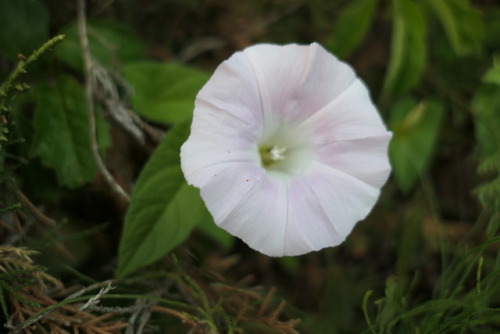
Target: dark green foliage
x: 111, y: 43
x: 24, y: 26
x: 486, y: 103
x: 415, y: 127
x: 163, y: 210
x: 352, y: 26
x: 408, y: 49
x: 174, y: 102
x: 462, y: 23
x: 62, y: 130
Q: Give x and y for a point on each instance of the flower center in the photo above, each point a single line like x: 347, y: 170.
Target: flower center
x: 285, y: 150
x: 271, y: 155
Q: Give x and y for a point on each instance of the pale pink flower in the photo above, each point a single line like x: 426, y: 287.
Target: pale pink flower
x: 287, y: 148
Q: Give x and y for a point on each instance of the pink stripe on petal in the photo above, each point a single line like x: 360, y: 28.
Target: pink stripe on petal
x: 351, y: 115
x: 296, y: 81
x: 345, y: 199
x: 217, y: 137
x: 260, y: 219
x: 221, y: 200
x: 233, y: 89
x: 211, y: 124
x: 308, y: 226
x: 363, y: 158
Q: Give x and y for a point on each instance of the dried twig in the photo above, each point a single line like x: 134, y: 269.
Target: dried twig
x: 266, y: 301
x: 95, y: 300
x: 89, y: 89
x: 83, y: 291
x: 183, y: 317
x: 140, y: 317
x: 39, y: 215
x: 107, y: 94
x: 43, y: 218
x: 40, y: 314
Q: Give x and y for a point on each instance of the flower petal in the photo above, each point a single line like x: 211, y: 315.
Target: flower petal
x: 253, y: 208
x: 350, y: 115
x: 260, y: 220
x: 233, y: 89
x: 324, y: 207
x: 308, y: 227
x: 216, y: 138
x: 363, y: 158
x: 295, y: 81
x: 221, y: 200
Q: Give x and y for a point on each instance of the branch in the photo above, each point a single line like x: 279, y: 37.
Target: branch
x: 89, y: 89
x: 34, y: 210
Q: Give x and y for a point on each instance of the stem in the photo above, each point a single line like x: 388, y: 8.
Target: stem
x: 8, y: 86
x: 89, y: 89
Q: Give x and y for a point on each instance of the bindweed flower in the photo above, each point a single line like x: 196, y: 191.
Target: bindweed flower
x: 287, y: 148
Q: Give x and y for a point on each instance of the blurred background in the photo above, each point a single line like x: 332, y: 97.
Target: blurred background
x: 426, y: 260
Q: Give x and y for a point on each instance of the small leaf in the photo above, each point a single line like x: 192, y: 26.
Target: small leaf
x: 164, y: 92
x: 352, y: 26
x: 415, y: 128
x: 486, y: 106
x: 163, y: 209
x: 408, y: 49
x: 109, y: 42
x: 493, y: 75
x: 462, y: 23
x: 24, y: 26
x: 61, y: 137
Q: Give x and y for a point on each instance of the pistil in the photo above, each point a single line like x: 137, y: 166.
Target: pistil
x: 273, y: 154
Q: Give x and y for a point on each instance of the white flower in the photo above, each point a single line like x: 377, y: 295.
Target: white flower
x: 287, y: 148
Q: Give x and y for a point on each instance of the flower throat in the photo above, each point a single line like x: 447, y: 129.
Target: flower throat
x: 272, y: 155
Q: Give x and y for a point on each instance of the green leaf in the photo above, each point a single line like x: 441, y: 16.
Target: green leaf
x: 24, y: 26
x: 163, y: 209
x: 486, y: 106
x: 164, y: 92
x: 415, y: 128
x: 462, y: 23
x: 352, y: 26
x: 408, y: 49
x: 61, y: 136
x: 493, y: 74
x: 111, y: 43
x: 391, y: 305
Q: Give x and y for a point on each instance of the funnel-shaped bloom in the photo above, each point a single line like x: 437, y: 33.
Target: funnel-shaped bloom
x: 287, y: 148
